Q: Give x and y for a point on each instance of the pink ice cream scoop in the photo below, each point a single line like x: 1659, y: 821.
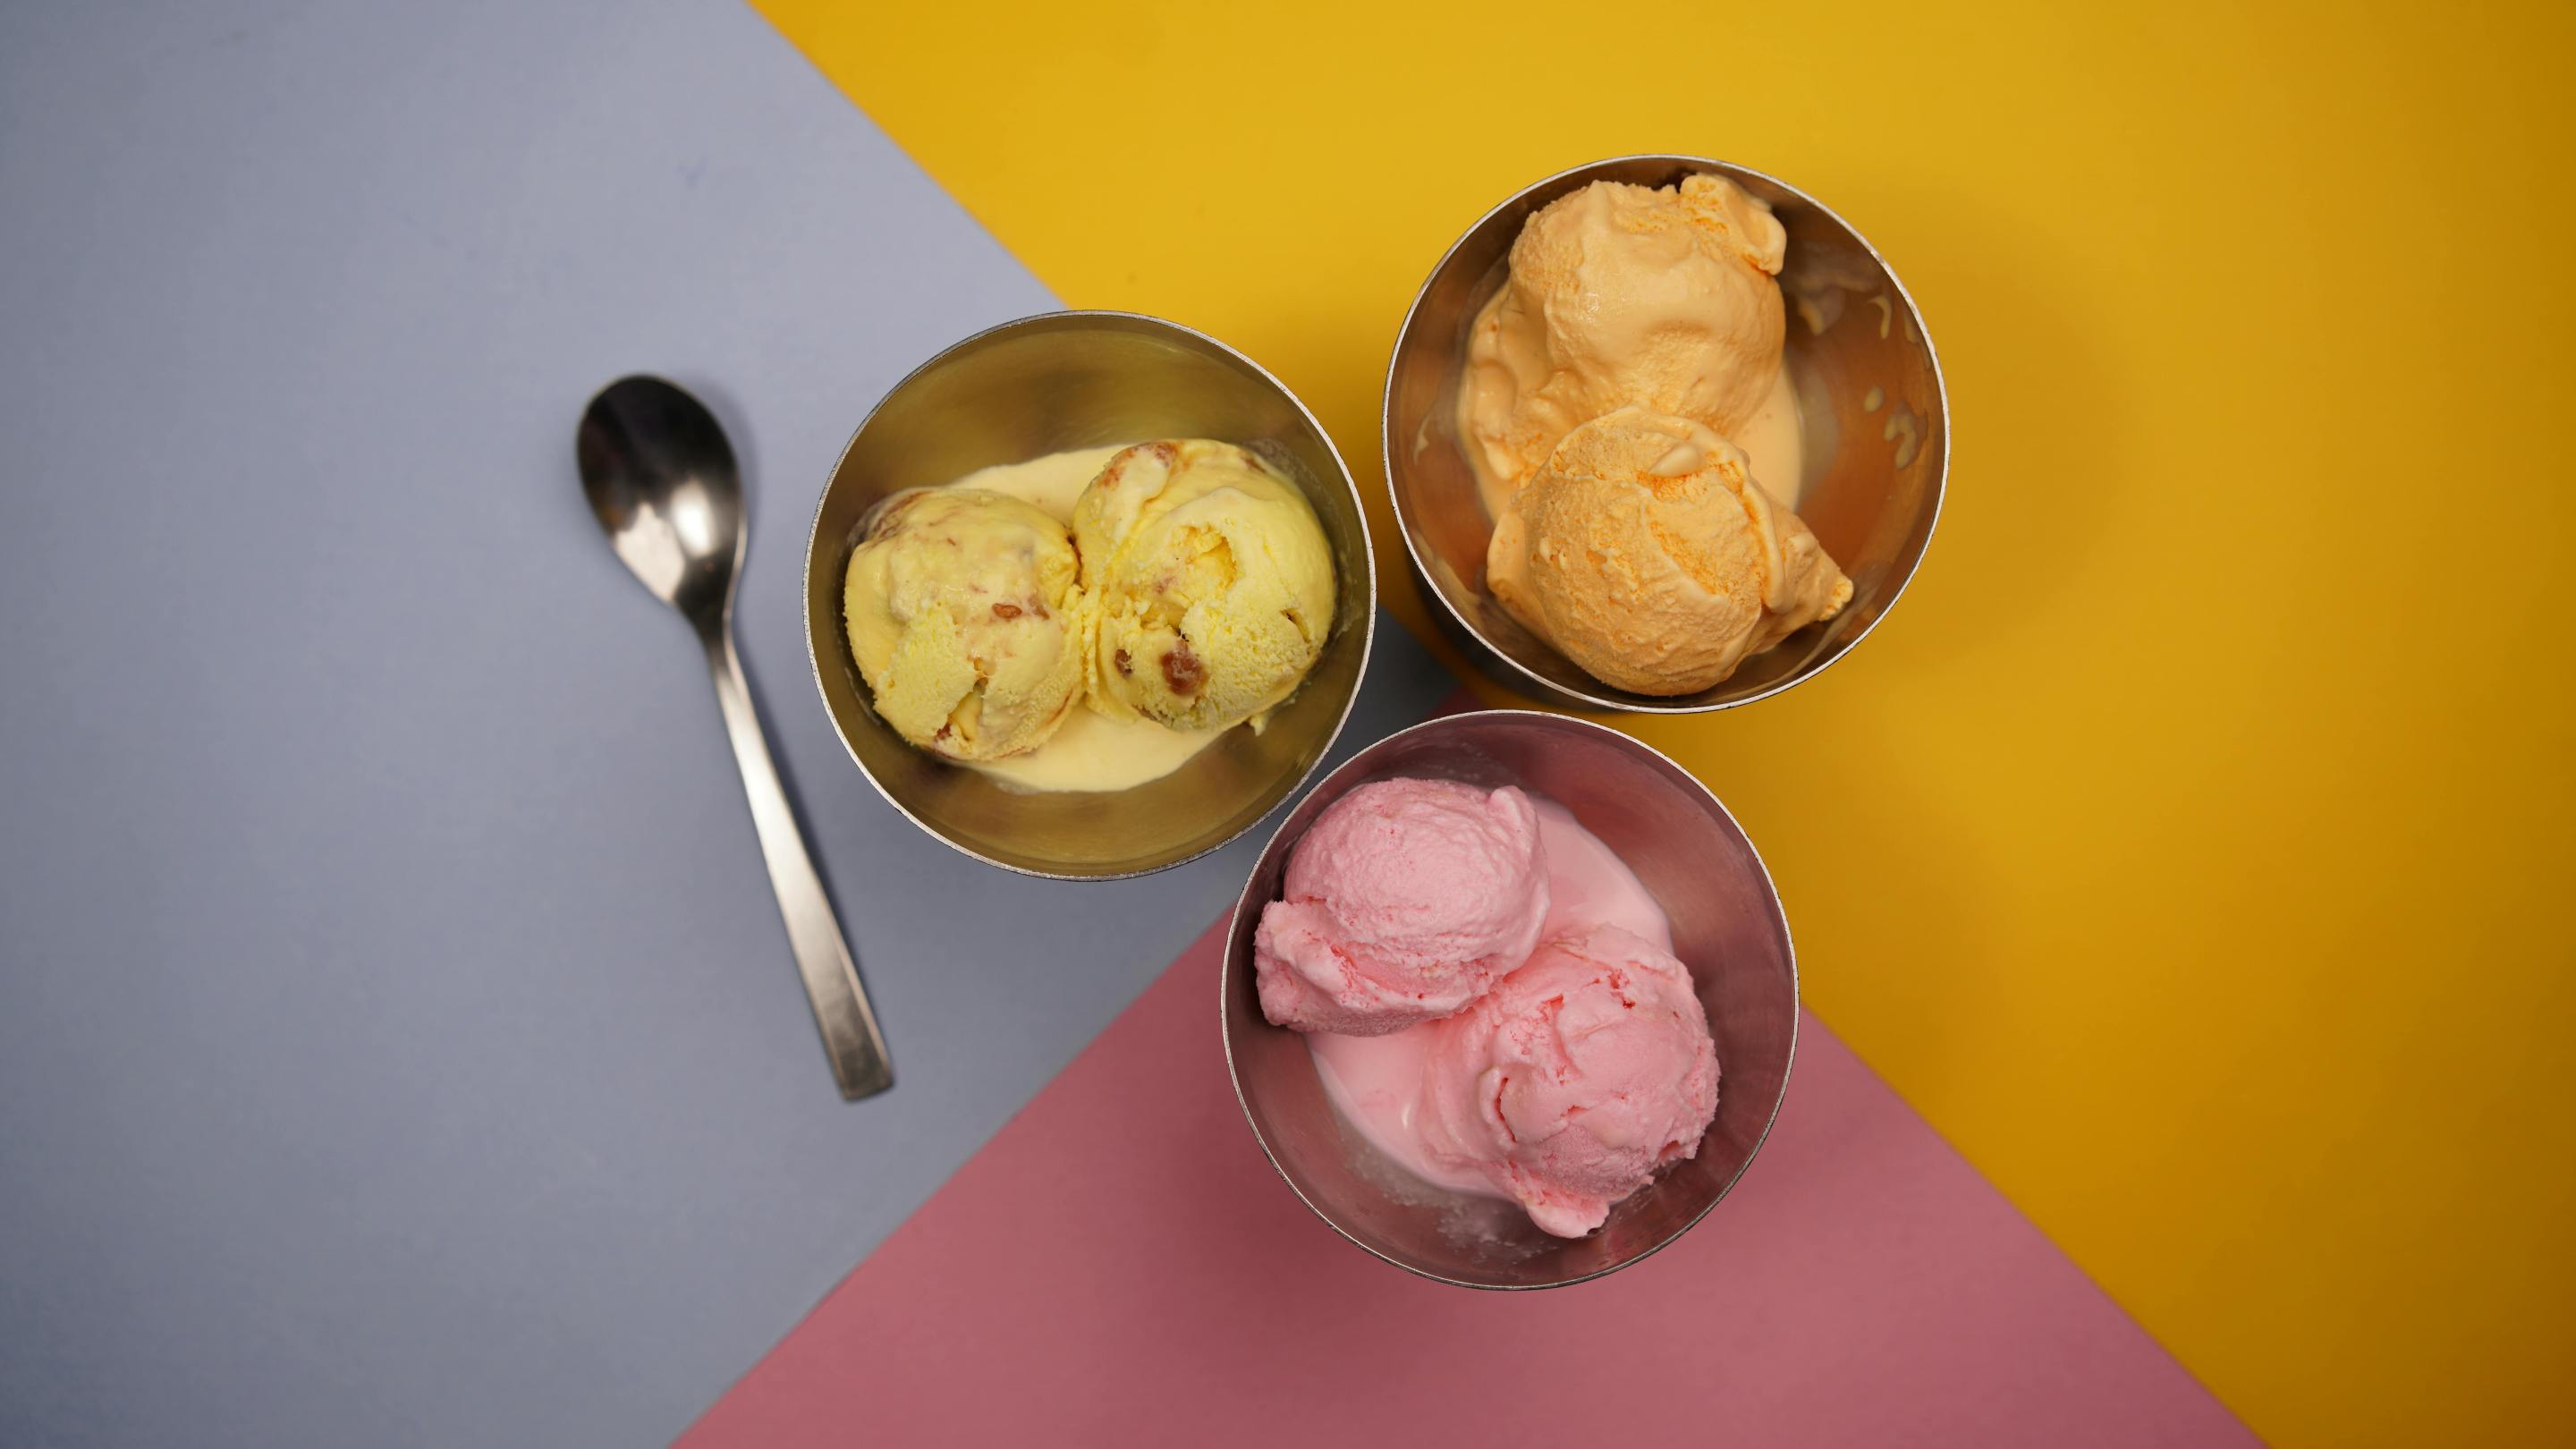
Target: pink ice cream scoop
x: 1406, y: 900
x: 1574, y: 1079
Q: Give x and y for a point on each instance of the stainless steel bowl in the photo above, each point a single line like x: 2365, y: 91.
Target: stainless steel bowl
x: 1727, y: 927
x: 1042, y: 385
x: 1874, y: 474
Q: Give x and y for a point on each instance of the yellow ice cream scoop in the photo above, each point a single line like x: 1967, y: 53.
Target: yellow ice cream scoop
x: 967, y: 619
x: 1211, y: 582
x: 1625, y: 296
x: 1644, y: 551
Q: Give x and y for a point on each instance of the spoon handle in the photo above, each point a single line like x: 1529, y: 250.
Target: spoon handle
x: 850, y: 1033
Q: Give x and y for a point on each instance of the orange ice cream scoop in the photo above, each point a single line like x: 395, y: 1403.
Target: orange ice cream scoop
x: 1644, y: 551
x: 1624, y: 296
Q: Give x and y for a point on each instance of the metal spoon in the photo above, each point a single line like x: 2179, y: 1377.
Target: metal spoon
x: 661, y: 477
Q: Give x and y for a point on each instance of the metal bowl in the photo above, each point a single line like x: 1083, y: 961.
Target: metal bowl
x: 1874, y: 474
x: 1041, y: 385
x: 1727, y: 927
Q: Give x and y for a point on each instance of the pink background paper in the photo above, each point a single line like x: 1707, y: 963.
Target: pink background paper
x: 1120, y: 1265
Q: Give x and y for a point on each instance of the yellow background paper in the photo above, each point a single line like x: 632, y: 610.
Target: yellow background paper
x: 2192, y: 846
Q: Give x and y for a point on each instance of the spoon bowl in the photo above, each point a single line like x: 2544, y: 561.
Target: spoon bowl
x: 660, y: 475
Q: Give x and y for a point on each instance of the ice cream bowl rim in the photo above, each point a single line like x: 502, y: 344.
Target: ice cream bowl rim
x: 1504, y: 664
x: 1235, y: 974
x: 824, y: 629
